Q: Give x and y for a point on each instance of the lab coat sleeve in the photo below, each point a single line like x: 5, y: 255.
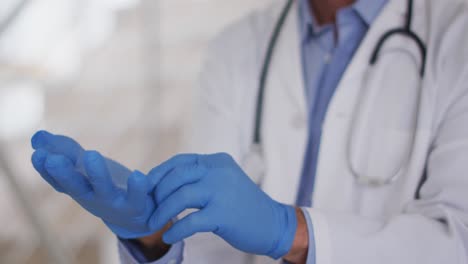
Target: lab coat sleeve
x: 130, y: 254
x: 431, y: 230
x: 434, y: 228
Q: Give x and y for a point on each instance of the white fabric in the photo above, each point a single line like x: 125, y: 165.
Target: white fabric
x: 352, y: 223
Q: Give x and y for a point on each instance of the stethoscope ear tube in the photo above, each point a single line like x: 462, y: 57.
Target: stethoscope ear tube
x: 405, y: 31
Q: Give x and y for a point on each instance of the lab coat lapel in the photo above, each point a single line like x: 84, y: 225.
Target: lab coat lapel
x: 334, y: 181
x: 285, y: 115
x: 286, y: 67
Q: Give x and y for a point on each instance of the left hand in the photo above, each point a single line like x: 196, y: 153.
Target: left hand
x: 125, y: 209
x: 231, y: 205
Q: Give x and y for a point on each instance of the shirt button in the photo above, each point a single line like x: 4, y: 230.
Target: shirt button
x: 298, y: 121
x: 172, y: 261
x: 327, y: 58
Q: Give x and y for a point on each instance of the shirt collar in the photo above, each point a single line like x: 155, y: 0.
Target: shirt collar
x: 368, y: 10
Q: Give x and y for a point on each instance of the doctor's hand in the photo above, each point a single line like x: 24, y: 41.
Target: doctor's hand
x: 230, y: 205
x: 87, y: 177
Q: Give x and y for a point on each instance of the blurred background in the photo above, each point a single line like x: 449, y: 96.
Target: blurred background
x: 118, y: 75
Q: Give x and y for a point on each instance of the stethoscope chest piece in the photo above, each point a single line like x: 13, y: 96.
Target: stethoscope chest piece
x: 254, y: 163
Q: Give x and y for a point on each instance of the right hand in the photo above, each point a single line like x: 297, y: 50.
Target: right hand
x: 229, y: 204
x: 124, y: 209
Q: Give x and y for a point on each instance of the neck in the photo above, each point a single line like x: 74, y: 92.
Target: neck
x: 325, y: 10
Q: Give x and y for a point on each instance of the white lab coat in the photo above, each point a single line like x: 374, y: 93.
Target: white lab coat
x: 352, y: 223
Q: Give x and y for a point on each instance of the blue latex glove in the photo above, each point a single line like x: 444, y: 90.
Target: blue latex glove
x: 231, y: 205
x: 87, y: 177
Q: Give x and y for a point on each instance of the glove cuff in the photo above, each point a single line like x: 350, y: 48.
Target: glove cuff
x: 125, y: 234
x: 288, y: 220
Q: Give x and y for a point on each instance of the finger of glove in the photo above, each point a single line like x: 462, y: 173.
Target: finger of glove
x: 159, y: 172
x: 64, y: 173
x: 218, y: 160
x: 188, y: 196
x: 115, y: 167
x: 98, y: 174
x: 38, y: 160
x: 177, y: 178
x: 137, y: 185
x: 57, y: 144
x: 195, y: 222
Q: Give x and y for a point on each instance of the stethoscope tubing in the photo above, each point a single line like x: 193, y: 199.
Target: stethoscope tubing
x: 257, y: 138
x: 405, y: 31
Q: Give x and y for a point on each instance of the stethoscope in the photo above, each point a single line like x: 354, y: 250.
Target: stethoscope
x: 254, y: 162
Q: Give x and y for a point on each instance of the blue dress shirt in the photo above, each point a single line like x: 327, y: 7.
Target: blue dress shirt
x: 324, y: 60
x: 327, y: 51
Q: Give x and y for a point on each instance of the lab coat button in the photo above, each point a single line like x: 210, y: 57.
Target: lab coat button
x: 298, y: 122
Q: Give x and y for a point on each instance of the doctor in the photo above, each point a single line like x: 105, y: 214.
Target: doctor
x: 362, y: 125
